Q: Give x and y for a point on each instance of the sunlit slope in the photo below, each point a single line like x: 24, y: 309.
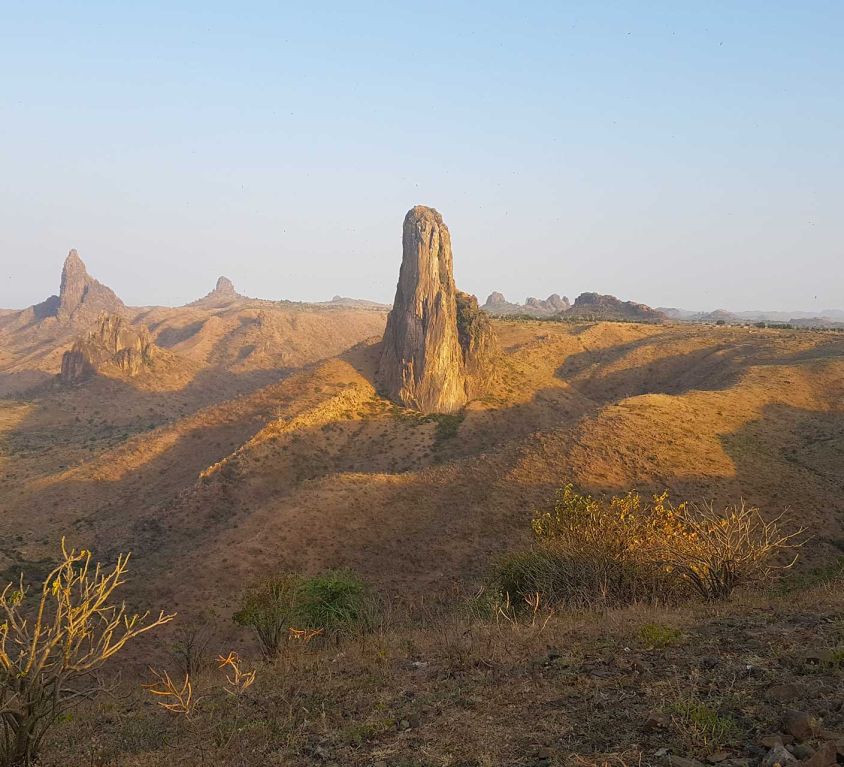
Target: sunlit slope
x: 246, y: 339
x: 318, y: 470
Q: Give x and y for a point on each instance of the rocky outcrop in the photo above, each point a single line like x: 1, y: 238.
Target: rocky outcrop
x: 223, y: 293
x: 497, y: 305
x: 477, y: 344
x: 592, y: 306
x: 431, y: 351
x: 113, y: 346
x: 81, y: 297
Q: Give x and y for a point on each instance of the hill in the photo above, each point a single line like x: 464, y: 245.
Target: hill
x: 318, y: 470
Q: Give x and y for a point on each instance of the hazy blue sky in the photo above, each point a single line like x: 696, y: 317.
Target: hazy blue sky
x: 676, y: 153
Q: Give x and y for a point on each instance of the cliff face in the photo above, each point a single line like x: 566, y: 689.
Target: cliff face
x: 421, y: 362
x: 430, y: 350
x: 477, y: 344
x: 113, y: 344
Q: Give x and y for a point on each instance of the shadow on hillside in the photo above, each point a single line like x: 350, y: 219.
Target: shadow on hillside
x: 794, y: 459
x: 709, y: 369
x: 422, y: 529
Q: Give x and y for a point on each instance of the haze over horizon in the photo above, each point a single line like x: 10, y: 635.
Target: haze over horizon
x: 685, y: 157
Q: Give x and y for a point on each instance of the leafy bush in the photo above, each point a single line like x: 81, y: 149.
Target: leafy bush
x: 336, y: 602
x: 329, y: 604
x: 629, y: 548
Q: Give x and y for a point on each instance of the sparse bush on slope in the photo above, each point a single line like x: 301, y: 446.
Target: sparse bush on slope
x: 52, y: 646
x: 329, y: 604
x: 591, y: 551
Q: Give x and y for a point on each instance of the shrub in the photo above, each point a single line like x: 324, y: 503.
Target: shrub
x: 51, y: 647
x: 335, y: 602
x: 563, y: 576
x: 329, y: 604
x: 717, y: 552
x: 270, y: 610
x: 629, y: 548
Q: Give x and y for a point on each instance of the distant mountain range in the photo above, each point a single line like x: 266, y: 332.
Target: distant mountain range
x: 824, y: 318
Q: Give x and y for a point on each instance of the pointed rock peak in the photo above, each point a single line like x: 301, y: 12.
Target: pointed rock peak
x: 80, y: 295
x: 73, y: 263
x: 223, y: 293
x: 74, y: 276
x: 225, y: 287
x: 495, y: 298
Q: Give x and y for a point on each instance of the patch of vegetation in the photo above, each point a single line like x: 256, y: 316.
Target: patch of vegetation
x: 628, y: 548
x: 816, y: 576
x: 332, y: 603
x: 658, y: 636
x: 702, y: 725
x: 447, y: 427
x: 54, y: 641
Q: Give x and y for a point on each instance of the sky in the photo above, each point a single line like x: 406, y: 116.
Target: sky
x: 674, y: 153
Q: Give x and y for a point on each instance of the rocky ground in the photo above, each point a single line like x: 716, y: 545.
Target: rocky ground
x: 755, y: 682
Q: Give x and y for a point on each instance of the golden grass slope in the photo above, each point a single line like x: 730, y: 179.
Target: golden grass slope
x: 318, y: 470
x: 246, y: 338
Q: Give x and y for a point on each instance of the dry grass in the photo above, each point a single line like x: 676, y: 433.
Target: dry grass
x: 316, y: 471
x: 577, y: 688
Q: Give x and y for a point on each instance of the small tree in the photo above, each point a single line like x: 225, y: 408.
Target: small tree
x: 270, y: 610
x: 51, y: 648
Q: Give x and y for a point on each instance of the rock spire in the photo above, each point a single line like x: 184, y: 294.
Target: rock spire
x: 434, y: 343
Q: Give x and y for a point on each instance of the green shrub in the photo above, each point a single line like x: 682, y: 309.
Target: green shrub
x: 332, y: 603
x: 270, y: 610
x: 336, y: 601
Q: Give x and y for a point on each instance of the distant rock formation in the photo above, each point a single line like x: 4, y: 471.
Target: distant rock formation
x: 81, y: 297
x: 497, y: 305
x: 354, y: 303
x: 593, y: 306
x: 223, y: 293
x: 113, y: 345
x: 435, y: 341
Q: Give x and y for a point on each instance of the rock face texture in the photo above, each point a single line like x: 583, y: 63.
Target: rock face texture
x: 592, y: 306
x: 477, y: 344
x: 113, y: 346
x: 430, y: 350
x: 81, y: 297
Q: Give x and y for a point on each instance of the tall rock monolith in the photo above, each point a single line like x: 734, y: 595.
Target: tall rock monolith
x: 430, y: 346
